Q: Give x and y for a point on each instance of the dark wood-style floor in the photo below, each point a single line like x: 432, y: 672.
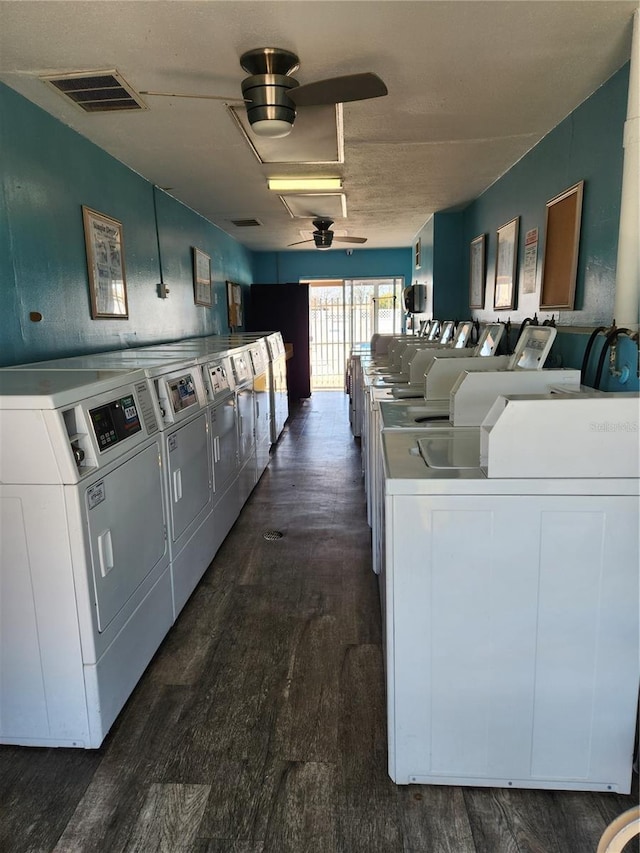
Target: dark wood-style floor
x: 259, y: 727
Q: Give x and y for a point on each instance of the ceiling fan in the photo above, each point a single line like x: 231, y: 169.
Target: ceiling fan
x: 323, y: 236
x: 271, y: 95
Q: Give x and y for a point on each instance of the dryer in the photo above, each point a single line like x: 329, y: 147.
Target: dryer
x: 179, y: 398
x: 85, y: 580
x: 261, y: 369
x: 243, y: 380
x: 223, y: 437
x: 278, y: 390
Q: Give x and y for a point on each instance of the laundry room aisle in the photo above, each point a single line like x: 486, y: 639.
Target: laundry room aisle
x: 259, y: 727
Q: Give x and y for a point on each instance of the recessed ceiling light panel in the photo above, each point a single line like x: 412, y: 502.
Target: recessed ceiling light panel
x: 304, y: 184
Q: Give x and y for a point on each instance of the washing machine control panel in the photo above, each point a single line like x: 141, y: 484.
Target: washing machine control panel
x: 115, y: 421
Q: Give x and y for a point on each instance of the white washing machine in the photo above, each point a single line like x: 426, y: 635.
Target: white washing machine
x: 85, y: 579
x: 223, y: 436
x: 511, y: 596
x: 411, y: 382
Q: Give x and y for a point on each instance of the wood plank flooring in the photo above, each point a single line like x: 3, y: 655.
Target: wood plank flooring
x: 259, y: 727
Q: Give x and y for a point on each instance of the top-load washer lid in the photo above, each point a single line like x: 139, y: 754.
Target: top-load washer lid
x: 489, y: 339
x: 533, y: 348
x: 463, y: 333
x: 445, y: 449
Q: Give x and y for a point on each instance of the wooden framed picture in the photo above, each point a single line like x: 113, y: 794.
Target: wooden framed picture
x: 477, y: 271
x: 506, y: 265
x: 234, y: 305
x: 561, y: 249
x: 105, y: 266
x: 201, y: 278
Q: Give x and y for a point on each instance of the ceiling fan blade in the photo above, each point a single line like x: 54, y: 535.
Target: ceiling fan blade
x: 338, y: 90
x: 299, y: 243
x: 203, y: 97
x: 349, y: 239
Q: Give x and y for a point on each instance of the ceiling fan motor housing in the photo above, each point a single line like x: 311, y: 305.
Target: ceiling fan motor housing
x: 266, y: 96
x: 265, y: 91
x: 323, y: 236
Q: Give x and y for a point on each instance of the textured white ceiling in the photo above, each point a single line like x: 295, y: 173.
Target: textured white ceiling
x: 472, y: 87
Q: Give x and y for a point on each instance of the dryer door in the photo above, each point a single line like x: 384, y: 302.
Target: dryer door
x: 125, y: 518
x: 224, y: 437
x: 188, y: 470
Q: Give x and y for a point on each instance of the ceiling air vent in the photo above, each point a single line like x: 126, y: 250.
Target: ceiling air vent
x: 245, y: 223
x: 97, y: 91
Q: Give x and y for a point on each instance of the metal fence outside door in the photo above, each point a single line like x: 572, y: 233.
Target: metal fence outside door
x: 344, y: 313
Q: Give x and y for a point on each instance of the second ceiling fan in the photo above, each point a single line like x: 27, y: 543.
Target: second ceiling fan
x: 323, y: 236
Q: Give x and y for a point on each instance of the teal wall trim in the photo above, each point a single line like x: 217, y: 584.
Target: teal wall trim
x: 281, y: 267
x: 48, y: 172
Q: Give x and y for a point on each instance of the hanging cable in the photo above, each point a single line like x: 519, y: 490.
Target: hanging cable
x: 587, y: 352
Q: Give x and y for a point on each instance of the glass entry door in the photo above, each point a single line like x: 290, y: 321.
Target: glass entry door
x: 346, y: 312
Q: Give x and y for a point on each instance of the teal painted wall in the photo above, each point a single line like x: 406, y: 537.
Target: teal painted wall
x: 281, y: 267
x: 442, y: 268
x: 48, y: 172
x: 587, y: 146
x: 450, y: 300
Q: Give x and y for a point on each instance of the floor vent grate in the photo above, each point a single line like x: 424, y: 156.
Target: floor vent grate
x: 272, y: 535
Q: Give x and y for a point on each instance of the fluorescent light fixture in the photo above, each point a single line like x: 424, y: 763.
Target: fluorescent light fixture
x: 304, y: 184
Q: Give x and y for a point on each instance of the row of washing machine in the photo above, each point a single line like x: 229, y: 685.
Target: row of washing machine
x: 120, y: 476
x: 504, y: 505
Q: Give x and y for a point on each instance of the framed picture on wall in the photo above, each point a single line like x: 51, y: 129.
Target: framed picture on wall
x: 506, y: 265
x: 105, y: 266
x: 477, y: 271
x: 417, y: 254
x: 234, y: 305
x: 201, y: 278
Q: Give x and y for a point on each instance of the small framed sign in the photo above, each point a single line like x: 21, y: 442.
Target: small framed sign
x: 234, y: 305
x: 506, y: 263
x: 477, y: 272
x: 105, y: 266
x: 201, y: 278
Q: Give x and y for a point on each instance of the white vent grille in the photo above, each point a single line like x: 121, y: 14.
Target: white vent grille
x: 97, y: 91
